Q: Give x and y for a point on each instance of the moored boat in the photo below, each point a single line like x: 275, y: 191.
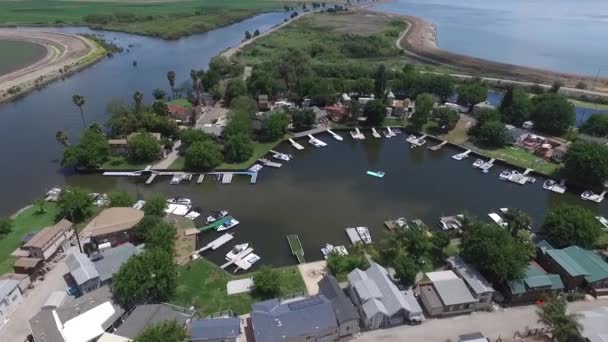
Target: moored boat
x: 497, y: 219
x: 549, y: 184
x: 364, y: 234
x: 378, y: 174
x: 505, y: 175
x: 589, y: 195
x: 216, y: 215
x: 603, y: 221
x: 175, y: 179
x: 236, y: 250
x: 314, y: 142
x: 231, y: 222
x: 180, y: 200
x: 478, y: 163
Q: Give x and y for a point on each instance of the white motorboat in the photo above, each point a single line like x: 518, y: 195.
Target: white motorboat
x: 603, y: 221
x: 193, y: 215
x: 101, y: 200
x: 354, y: 135
x: 314, y: 142
x: 256, y: 168
x: 460, y: 156
x: 497, y: 219
x: 531, y: 179
x: 364, y: 234
x: 216, y: 215
x: 505, y: 175
x: 478, y: 163
x: 236, y: 250
x: 387, y: 134
x: 180, y: 200
x: 411, y: 138
x: 186, y: 177
x: 176, y: 179
x: 589, y: 195
x: 504, y: 210
x: 177, y: 209
x: 54, y: 191
x: 228, y: 224
x: 327, y: 250
x: 281, y: 156
x: 139, y: 205
x: 549, y: 184
x: 252, y: 259
x: 341, y: 250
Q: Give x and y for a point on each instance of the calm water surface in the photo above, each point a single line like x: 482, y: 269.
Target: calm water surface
x: 562, y: 35
x: 322, y: 191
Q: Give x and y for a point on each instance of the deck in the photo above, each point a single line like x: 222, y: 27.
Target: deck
x: 296, y: 247
x: 217, y: 243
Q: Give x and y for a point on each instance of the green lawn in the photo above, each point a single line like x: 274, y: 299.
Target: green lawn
x: 259, y: 149
x: 181, y: 102
x: 204, y: 286
x: 520, y: 157
x: 121, y: 163
x: 26, y: 222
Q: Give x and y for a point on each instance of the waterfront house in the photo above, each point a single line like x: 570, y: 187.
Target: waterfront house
x: 294, y: 320
x: 535, y: 285
x: 516, y: 135
x: 480, y: 288
x: 10, y: 298
x: 444, y: 293
x: 482, y: 106
x: 346, y: 314
x: 578, y: 268
x: 378, y: 300
x: 109, y: 261
x: 113, y: 225
x: 336, y: 112
x: 223, y: 329
x: 559, y: 153
x: 320, y: 115
x: 180, y: 113
x: 47, y: 242
x: 399, y: 108
x: 83, y: 319
x: 29, y: 266
x: 263, y: 103
x: 22, y: 279
x: 147, y: 315
x: 118, y: 147
x: 82, y: 274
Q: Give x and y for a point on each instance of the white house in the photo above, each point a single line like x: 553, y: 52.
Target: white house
x: 10, y: 298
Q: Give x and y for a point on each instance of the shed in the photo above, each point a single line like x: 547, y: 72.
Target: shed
x: 29, y: 266
x: 215, y: 330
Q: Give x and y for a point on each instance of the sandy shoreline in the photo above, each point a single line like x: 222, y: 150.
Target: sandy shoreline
x: 66, y: 54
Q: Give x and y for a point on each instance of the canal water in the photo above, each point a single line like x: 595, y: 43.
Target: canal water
x: 561, y: 35
x: 322, y: 191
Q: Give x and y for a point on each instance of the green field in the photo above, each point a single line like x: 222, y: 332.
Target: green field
x: 16, y: 55
x: 167, y: 19
x: 27, y: 221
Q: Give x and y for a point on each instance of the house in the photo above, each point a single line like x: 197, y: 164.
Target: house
x: 379, y: 301
x: 118, y: 147
x: 516, y: 135
x: 444, y: 293
x: 480, y: 288
x: 482, y: 106
x: 108, y: 262
x: 29, y: 266
x: 336, y: 112
x: 49, y: 240
x: 10, y: 298
x: 346, y: 314
x: 23, y: 280
x: 294, y: 320
x: 593, y: 324
x: 82, y: 274
x: 559, y: 153
x: 578, y: 268
x: 113, y: 225
x: 399, y: 108
x: 532, y: 141
x: 150, y: 314
x: 81, y: 320
x: 180, y: 113
x: 320, y: 116
x: 225, y: 329
x: 534, y: 286
x: 263, y: 103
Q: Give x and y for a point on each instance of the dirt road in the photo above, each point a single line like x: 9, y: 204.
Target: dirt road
x: 66, y: 53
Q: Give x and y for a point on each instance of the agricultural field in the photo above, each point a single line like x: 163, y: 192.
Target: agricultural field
x: 16, y: 55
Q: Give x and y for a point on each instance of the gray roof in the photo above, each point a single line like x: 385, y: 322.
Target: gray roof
x: 392, y: 298
x: 373, y: 307
x: 432, y: 298
x: 150, y: 314
x: 113, y: 258
x: 594, y: 324
x: 453, y: 292
x: 7, y: 286
x: 56, y: 299
x: 274, y: 320
x: 367, y: 289
x: 217, y: 328
x: 343, y: 307
x: 80, y: 267
x: 470, y: 275
x: 44, y: 327
x: 89, y: 301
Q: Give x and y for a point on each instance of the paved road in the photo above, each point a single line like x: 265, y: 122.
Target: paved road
x: 503, y: 323
x: 17, y: 328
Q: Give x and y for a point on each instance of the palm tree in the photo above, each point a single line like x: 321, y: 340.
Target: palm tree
x: 62, y: 138
x: 79, y: 101
x: 563, y: 325
x: 171, y: 78
x: 138, y: 97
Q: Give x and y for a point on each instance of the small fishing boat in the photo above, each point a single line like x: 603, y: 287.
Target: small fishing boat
x: 497, y: 219
x: 180, y: 200
x: 175, y: 179
x: 236, y: 250
x: 364, y: 234
x: 478, y: 163
x: 216, y: 215
x: 378, y: 174
x: 228, y: 224
x: 505, y: 175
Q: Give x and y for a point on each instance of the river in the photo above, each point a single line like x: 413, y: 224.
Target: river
x: 560, y: 35
x: 322, y: 191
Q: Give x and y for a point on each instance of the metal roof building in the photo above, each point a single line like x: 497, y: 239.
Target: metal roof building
x: 215, y: 329
x: 149, y: 314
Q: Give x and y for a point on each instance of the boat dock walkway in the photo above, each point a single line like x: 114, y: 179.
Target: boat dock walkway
x: 375, y: 133
x: 267, y: 162
x: 492, y: 161
x: 353, y: 235
x: 151, y: 178
x: 296, y: 145
x: 317, y: 140
x: 390, y: 131
x: 227, y: 176
x: 217, y: 243
x: 296, y: 247
x: 466, y: 153
x: 238, y: 257
x: 312, y: 131
x: 438, y: 146
x: 527, y: 171
x: 200, y: 179
x: 336, y: 136
x: 243, y: 264
x: 359, y: 134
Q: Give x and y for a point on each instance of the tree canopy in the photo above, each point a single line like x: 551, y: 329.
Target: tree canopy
x: 375, y: 111
x: 163, y: 331
x: 596, y: 125
x: 234, y: 88
x: 203, y: 155
x: 75, y: 204
x: 274, y: 126
x: 302, y: 119
x: 472, y: 94
x: 143, y: 148
x: 238, y: 147
x: 492, y: 134
x: 6, y: 226
x: 191, y: 135
x: 552, y: 113
x: 120, y: 198
x: 515, y: 106
x: 446, y: 118
x: 564, y: 326
x: 267, y: 282
x: 424, y: 105
x: 587, y: 164
x: 568, y: 225
x: 155, y: 205
x: 92, y: 151
x: 341, y: 265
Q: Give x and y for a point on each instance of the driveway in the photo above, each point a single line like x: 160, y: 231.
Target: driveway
x: 503, y: 323
x: 17, y: 327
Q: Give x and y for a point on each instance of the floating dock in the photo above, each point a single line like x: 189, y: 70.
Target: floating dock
x: 200, y: 179
x: 375, y: 133
x: 438, y: 146
x: 336, y: 136
x: 151, y: 178
x: 527, y: 171
x: 267, y: 162
x: 244, y: 264
x: 217, y: 243
x: 227, y: 178
x: 317, y: 140
x: 353, y: 235
x: 238, y: 257
x: 296, y: 247
x: 390, y: 132
x: 296, y: 145
x: 359, y: 134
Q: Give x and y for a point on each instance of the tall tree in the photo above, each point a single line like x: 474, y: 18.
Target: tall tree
x: 563, y: 326
x: 267, y: 282
x: 424, y: 105
x: 171, y: 79
x: 143, y: 148
x: 375, y: 111
x: 79, y: 102
x: 274, y: 126
x: 194, y: 78
x: 137, y: 98
x: 405, y: 269
x: 163, y: 331
x: 75, y: 204
x: 238, y: 147
x: 155, y: 205
x: 517, y: 220
x: 472, y: 94
x: 380, y: 82
x: 92, y: 151
x: 203, y: 155
x: 596, y: 125
x: 492, y: 134
x: 6, y: 226
x: 515, y: 106
x: 568, y: 225
x: 552, y: 113
x: 587, y: 164
x: 120, y: 198
x: 446, y: 118
x: 62, y: 138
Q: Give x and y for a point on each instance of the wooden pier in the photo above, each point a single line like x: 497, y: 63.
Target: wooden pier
x: 151, y: 178
x: 227, y: 176
x: 238, y: 257
x: 360, y: 135
x: 390, y: 132
x: 353, y: 235
x: 217, y: 243
x: 336, y: 136
x: 296, y: 145
x: 375, y: 133
x: 438, y: 146
x: 296, y: 247
x: 200, y: 179
x: 267, y: 162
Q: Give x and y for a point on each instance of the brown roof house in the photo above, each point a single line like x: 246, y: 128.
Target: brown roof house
x: 113, y: 225
x: 49, y: 240
x: 28, y: 266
